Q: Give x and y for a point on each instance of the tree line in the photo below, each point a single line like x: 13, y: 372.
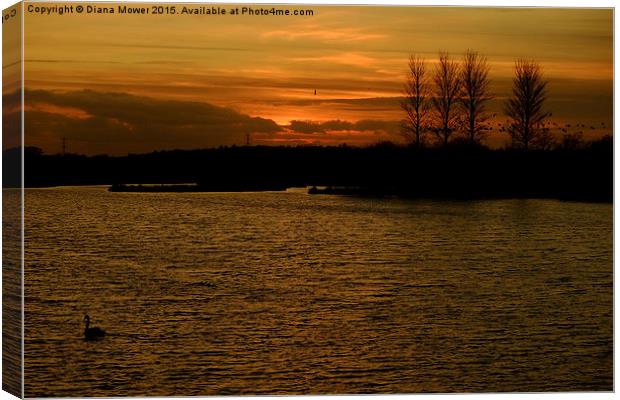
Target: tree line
x: 453, y: 98
x: 383, y: 169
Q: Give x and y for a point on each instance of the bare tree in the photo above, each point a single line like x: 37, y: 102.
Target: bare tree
x: 474, y: 95
x: 525, y: 106
x: 445, y: 97
x: 416, y: 104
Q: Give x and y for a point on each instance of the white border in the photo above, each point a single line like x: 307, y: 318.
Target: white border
x: 482, y: 3
x: 22, y: 206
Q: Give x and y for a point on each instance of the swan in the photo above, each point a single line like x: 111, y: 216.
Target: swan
x: 92, y: 333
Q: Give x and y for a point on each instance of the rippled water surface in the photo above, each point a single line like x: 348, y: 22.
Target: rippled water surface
x: 285, y: 293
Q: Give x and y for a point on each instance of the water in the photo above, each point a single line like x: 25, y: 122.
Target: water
x: 286, y: 293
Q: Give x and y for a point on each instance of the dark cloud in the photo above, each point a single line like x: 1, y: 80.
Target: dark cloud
x: 309, y: 127
x: 320, y: 127
x: 305, y: 126
x: 95, y: 122
x: 375, y: 102
x: 11, y: 119
x: 11, y: 100
x: 118, y: 123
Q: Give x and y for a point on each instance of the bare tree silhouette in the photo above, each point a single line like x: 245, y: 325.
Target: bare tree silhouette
x: 525, y: 107
x: 445, y: 97
x: 415, y: 104
x: 474, y: 94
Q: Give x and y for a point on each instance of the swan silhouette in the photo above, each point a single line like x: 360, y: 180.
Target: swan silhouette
x: 93, y: 333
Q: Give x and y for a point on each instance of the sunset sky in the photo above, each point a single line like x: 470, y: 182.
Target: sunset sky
x: 126, y: 83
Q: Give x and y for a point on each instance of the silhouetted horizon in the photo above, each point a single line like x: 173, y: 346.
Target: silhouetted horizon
x: 572, y: 173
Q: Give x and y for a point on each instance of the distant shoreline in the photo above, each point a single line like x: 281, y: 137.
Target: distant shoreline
x: 192, y: 188
x: 580, y: 174
x: 348, y: 192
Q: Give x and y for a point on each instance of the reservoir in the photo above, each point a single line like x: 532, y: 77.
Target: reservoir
x: 287, y: 293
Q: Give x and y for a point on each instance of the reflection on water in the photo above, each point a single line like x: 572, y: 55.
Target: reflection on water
x: 285, y: 293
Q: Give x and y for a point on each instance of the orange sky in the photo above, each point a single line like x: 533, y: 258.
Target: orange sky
x: 156, y: 82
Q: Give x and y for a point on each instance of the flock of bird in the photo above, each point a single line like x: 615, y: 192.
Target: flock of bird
x: 564, y: 128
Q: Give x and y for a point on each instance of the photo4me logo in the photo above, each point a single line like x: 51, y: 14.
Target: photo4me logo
x: 166, y: 9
